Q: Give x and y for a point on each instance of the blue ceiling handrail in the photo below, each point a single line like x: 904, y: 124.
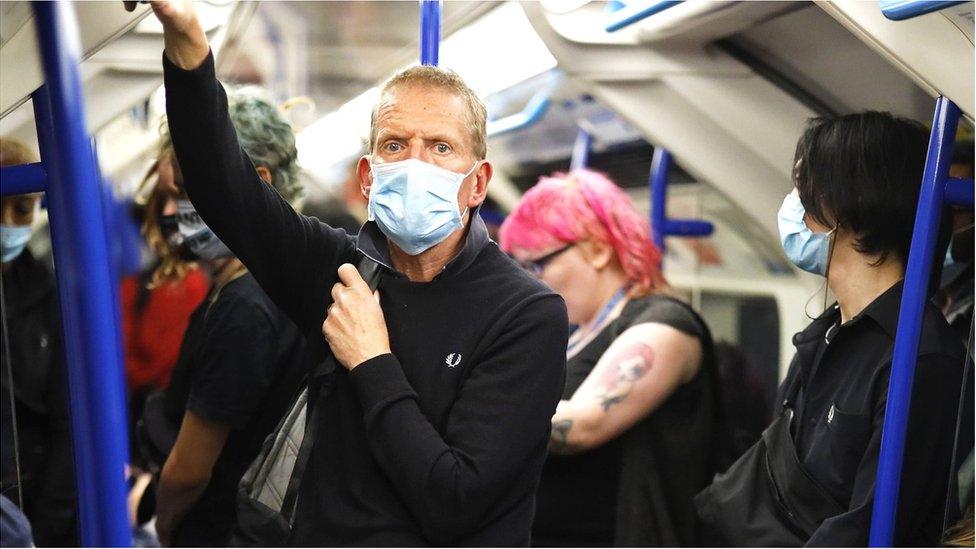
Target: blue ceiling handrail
x: 632, y: 13
x: 534, y: 110
x: 934, y: 191
x: 959, y: 192
x: 86, y: 288
x: 661, y: 226
x: 23, y: 179
x: 581, y: 150
x: 900, y: 10
x: 430, y: 31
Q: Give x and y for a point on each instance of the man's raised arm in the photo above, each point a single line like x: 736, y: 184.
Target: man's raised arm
x: 293, y: 257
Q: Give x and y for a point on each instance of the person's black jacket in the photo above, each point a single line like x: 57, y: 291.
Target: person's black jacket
x: 40, y: 392
x: 442, y: 441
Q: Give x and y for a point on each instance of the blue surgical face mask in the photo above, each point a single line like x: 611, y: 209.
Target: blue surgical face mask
x: 807, y: 250
x: 13, y: 239
x: 415, y: 203
x: 197, y: 236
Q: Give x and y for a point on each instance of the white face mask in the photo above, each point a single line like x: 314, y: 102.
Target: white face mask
x: 415, y: 203
x: 807, y: 250
x: 197, y: 236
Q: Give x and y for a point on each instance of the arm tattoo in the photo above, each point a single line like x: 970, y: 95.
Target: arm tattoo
x: 560, y: 434
x: 619, y: 377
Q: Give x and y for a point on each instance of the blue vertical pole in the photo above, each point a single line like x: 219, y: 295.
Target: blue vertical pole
x: 909, y: 330
x: 80, y: 245
x: 581, y: 150
x: 430, y: 31
x: 660, y: 166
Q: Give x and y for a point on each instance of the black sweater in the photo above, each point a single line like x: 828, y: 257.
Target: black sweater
x: 440, y: 442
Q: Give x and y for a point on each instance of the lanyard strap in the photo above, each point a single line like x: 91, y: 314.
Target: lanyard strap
x: 601, y: 317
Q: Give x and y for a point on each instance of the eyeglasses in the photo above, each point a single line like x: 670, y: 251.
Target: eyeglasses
x: 535, y: 266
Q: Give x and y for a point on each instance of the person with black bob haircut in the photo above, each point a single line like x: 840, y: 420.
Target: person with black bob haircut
x: 810, y: 479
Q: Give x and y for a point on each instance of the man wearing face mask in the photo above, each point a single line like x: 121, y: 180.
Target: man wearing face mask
x: 241, y: 361
x: 437, y: 421
x: 810, y: 480
x: 37, y: 467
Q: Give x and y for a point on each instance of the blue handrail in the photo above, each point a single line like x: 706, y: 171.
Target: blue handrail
x: 23, y: 179
x: 430, y: 31
x: 914, y: 297
x: 959, y: 192
x: 581, y: 150
x: 85, y: 286
x: 532, y: 113
x: 899, y: 10
x: 661, y: 226
x: 632, y: 13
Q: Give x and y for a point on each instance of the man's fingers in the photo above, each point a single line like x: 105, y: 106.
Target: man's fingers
x: 350, y: 276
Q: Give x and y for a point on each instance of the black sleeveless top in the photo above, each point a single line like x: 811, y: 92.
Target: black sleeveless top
x: 637, y: 489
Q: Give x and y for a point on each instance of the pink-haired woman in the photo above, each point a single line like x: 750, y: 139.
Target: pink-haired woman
x: 631, y: 440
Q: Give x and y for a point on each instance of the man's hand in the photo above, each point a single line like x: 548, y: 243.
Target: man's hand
x: 186, y: 43
x: 354, y: 326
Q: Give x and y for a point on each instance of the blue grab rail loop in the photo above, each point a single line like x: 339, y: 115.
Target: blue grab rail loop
x: 86, y: 288
x: 23, y: 179
x: 914, y: 297
x: 430, y: 31
x: 661, y: 226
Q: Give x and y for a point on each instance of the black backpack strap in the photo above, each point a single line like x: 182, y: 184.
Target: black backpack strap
x: 320, y: 383
x: 318, y: 387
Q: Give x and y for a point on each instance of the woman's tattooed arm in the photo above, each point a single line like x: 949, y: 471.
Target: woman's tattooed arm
x: 626, y: 368
x: 639, y: 371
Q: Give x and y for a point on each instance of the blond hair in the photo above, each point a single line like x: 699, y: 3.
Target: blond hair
x: 15, y: 153
x: 444, y: 79
x: 172, y: 266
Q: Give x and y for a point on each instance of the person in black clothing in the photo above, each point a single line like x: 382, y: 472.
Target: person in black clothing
x: 242, y: 361
x: 437, y: 423
x: 955, y: 296
x: 39, y: 463
x: 632, y: 437
x: 811, y: 478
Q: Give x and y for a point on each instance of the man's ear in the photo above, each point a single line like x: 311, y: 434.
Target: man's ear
x: 264, y: 173
x: 479, y: 189
x: 365, y: 176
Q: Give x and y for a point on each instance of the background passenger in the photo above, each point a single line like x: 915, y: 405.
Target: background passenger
x: 811, y: 479
x: 241, y: 362
x: 632, y: 435
x: 36, y: 361
x: 744, y: 406
x: 156, y: 304
x: 956, y: 294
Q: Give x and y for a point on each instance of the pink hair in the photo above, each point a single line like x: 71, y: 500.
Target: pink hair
x: 584, y: 205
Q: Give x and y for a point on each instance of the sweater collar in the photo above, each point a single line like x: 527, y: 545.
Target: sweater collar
x: 372, y: 243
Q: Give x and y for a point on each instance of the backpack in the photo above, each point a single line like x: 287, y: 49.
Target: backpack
x: 267, y: 495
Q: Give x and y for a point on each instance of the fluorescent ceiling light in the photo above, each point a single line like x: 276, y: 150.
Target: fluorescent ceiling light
x: 497, y: 51
x: 560, y: 7
x: 338, y: 135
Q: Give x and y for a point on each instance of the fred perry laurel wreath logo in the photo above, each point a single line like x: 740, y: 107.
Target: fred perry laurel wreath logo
x: 453, y: 360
